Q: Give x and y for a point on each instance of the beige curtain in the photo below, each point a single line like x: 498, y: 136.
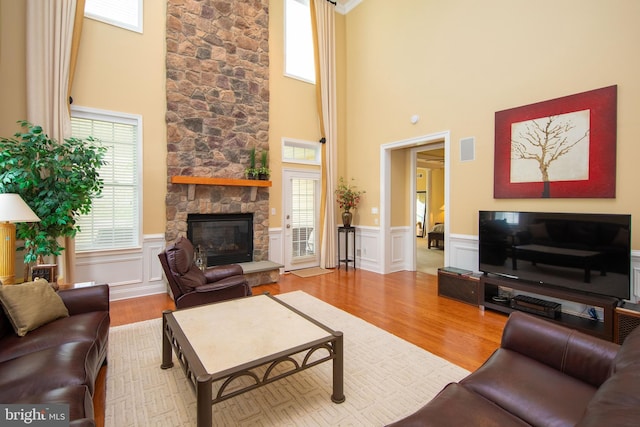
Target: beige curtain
x: 52, y: 42
x: 323, y: 24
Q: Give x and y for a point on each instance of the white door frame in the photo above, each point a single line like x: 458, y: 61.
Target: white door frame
x: 287, y: 174
x: 385, y: 191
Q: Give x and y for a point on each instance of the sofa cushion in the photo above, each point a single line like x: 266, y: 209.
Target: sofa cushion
x: 76, y: 396
x: 88, y: 327
x: 68, y: 364
x: 456, y: 406
x: 628, y: 357
x: 530, y: 390
x: 31, y: 305
x: 616, y: 403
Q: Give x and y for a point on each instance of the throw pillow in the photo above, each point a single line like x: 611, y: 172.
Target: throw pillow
x: 31, y: 305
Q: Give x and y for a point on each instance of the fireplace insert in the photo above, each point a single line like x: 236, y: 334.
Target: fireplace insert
x: 223, y: 238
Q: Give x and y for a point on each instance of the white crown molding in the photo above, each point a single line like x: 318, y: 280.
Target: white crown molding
x: 347, y: 6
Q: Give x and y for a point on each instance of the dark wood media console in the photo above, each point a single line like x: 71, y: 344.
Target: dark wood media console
x: 489, y: 288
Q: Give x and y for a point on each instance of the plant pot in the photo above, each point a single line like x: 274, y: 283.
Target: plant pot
x: 263, y: 177
x: 346, y: 218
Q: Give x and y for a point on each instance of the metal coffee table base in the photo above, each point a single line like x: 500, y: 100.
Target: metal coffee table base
x: 254, y: 374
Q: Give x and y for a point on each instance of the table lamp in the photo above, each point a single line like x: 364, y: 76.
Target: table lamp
x: 12, y: 209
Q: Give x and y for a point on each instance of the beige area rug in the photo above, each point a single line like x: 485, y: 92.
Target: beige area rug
x: 309, y: 272
x: 385, y: 379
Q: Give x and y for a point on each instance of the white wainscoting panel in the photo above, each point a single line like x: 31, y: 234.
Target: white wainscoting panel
x: 276, y: 245
x: 368, y: 252
x: 463, y: 251
x: 129, y: 274
x: 399, y: 241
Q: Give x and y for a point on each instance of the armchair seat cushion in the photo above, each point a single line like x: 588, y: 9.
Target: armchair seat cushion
x: 227, y: 282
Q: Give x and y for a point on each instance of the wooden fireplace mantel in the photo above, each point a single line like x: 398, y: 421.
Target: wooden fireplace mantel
x: 192, y: 181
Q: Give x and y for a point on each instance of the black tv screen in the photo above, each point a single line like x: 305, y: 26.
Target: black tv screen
x: 584, y: 252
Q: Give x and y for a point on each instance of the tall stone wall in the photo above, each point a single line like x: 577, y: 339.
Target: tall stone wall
x: 217, y: 108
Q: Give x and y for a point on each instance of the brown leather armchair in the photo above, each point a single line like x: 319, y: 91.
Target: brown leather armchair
x: 191, y: 286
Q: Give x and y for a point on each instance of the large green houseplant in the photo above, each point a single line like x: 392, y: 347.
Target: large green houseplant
x: 58, y: 180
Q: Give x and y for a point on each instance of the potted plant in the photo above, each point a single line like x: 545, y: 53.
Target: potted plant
x: 251, y: 172
x: 348, y: 197
x: 263, y: 170
x: 57, y: 180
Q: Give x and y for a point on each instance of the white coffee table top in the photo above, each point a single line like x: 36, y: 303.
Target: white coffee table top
x: 235, y: 332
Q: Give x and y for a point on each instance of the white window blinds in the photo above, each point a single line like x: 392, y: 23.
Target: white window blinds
x: 114, y: 220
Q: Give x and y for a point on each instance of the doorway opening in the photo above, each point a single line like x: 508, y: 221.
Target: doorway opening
x: 430, y: 208
x: 435, y: 140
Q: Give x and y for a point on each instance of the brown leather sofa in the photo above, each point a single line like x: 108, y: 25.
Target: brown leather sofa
x: 543, y: 374
x: 58, y: 362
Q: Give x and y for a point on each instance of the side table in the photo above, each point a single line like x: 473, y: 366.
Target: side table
x: 346, y: 231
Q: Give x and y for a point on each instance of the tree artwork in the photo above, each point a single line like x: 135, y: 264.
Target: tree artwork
x: 552, y: 148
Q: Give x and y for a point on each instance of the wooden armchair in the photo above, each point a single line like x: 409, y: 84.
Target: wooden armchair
x: 191, y: 286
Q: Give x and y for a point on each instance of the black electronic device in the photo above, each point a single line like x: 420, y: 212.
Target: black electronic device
x: 585, y: 252
x: 538, y: 306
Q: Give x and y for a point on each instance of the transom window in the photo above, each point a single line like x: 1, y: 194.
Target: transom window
x: 304, y: 152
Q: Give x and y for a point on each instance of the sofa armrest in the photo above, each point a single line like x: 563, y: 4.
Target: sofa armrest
x: 86, y: 300
x: 581, y: 356
x: 219, y: 272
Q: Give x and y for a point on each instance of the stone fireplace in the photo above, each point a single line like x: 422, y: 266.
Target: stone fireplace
x: 217, y: 111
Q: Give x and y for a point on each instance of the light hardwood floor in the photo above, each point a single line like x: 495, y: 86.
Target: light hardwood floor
x: 405, y: 304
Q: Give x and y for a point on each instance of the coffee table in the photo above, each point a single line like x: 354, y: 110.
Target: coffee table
x: 239, y: 345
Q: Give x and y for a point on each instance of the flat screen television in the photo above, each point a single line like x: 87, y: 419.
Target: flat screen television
x: 585, y: 252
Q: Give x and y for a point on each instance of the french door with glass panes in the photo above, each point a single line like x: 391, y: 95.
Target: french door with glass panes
x: 301, y: 199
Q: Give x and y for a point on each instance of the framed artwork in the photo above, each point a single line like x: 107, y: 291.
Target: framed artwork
x: 561, y: 148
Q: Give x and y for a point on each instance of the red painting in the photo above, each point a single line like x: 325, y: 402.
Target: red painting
x: 561, y: 148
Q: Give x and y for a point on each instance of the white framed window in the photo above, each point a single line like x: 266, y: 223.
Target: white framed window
x: 126, y: 14
x: 115, y: 218
x: 302, y: 152
x: 299, y: 61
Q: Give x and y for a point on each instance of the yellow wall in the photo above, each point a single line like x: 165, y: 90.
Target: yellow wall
x: 292, y: 106
x: 13, y: 86
x: 117, y: 70
x: 437, y: 196
x: 453, y: 63
x: 456, y: 63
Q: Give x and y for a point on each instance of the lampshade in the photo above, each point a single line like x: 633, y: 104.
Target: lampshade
x: 14, y: 209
